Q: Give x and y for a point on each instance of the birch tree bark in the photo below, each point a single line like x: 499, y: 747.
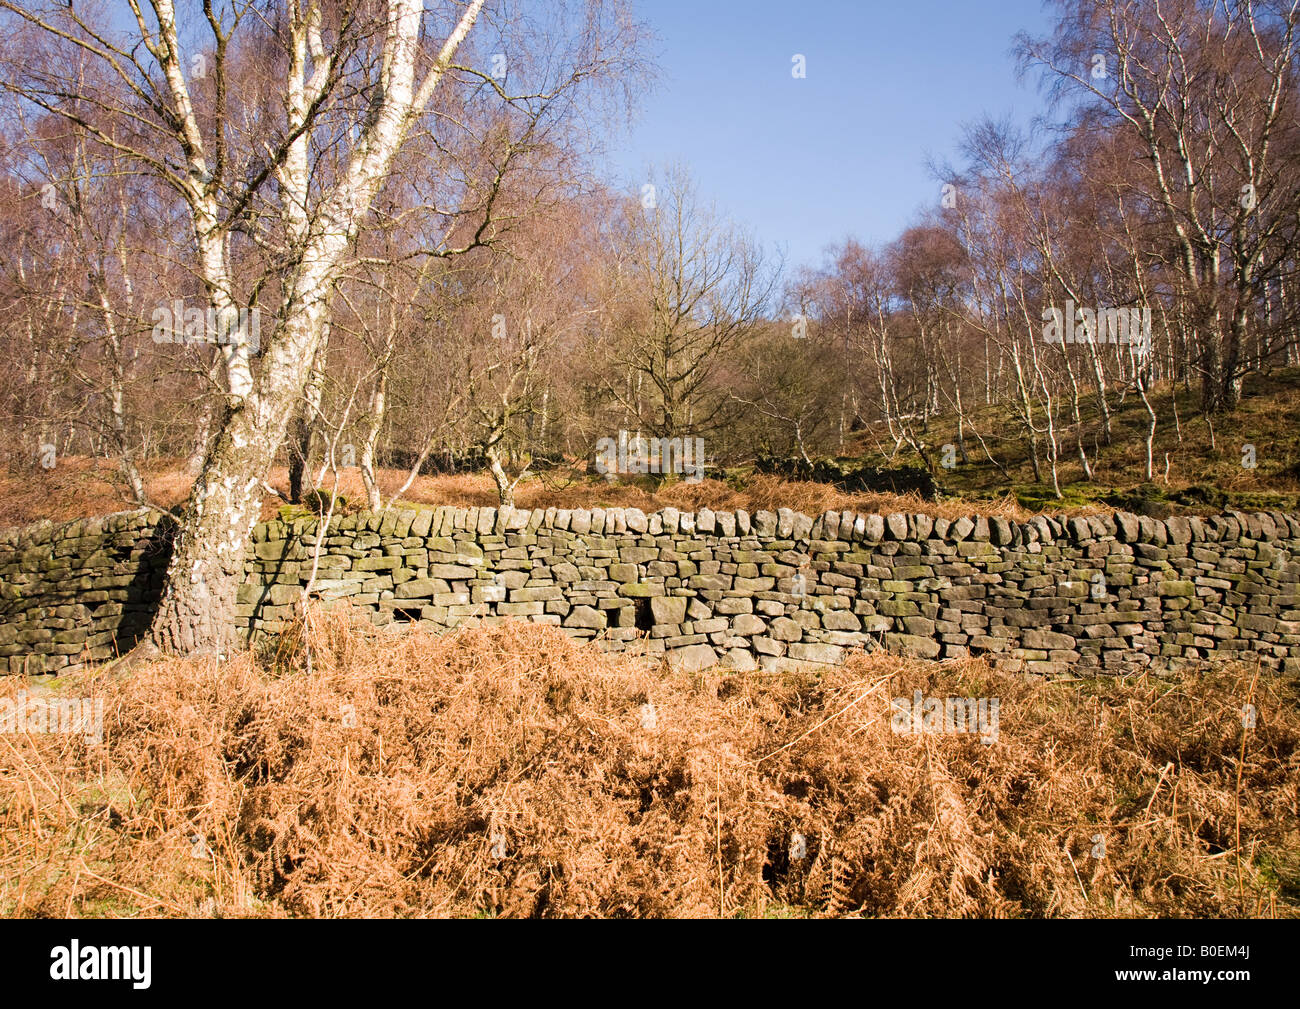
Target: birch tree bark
x: 197, y: 608
x: 320, y: 215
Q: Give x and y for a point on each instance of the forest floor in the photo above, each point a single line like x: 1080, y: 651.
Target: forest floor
x: 1199, y: 464
x: 79, y: 487
x: 1198, y: 468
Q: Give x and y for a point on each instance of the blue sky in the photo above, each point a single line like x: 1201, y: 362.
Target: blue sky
x: 804, y: 163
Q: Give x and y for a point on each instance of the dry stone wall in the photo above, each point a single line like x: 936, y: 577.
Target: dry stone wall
x: 1099, y: 593
x: 79, y: 592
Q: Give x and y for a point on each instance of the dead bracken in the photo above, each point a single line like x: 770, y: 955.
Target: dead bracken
x: 511, y: 771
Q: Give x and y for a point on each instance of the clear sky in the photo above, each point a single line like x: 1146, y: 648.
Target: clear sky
x: 804, y: 163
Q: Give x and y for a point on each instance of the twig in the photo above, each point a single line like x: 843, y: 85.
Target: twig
x: 834, y: 715
x: 1241, y: 760
x: 153, y: 901
x: 1076, y: 873
x: 1159, y: 781
x: 717, y: 799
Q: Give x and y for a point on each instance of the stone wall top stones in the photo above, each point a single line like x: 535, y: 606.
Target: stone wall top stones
x: 775, y: 588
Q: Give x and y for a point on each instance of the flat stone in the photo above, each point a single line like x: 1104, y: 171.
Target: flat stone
x: 785, y: 629
x: 913, y: 646
x: 740, y: 659
x: 668, y: 609
x: 692, y: 658
x: 585, y: 616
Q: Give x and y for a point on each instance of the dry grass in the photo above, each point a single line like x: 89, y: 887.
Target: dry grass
x: 380, y: 780
x: 79, y: 487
